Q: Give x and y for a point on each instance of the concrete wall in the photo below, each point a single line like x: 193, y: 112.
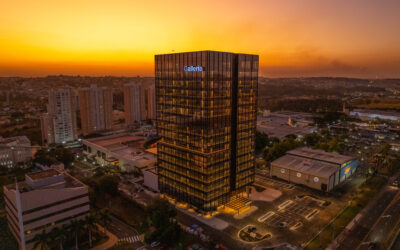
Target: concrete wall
x: 151, y: 179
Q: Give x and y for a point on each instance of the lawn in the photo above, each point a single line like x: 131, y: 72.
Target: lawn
x: 368, y: 190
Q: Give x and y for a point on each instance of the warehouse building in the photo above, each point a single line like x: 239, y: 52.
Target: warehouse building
x: 316, y: 169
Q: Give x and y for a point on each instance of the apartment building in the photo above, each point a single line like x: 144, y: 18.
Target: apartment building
x: 95, y: 108
x: 59, y: 124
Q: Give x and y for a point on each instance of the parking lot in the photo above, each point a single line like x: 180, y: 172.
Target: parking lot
x: 268, y: 182
x: 294, y: 217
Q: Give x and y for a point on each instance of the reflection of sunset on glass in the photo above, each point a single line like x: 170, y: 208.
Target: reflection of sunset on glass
x: 293, y: 38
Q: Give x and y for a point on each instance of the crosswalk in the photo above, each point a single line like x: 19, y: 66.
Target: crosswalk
x: 130, y: 239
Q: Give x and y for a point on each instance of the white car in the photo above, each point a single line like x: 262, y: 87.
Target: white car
x: 155, y: 244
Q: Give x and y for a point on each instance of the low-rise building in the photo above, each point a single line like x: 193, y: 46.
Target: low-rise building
x: 314, y: 168
x: 15, y: 150
x: 45, y: 200
x: 125, y: 150
x: 150, y: 177
x: 283, y: 123
x: 371, y: 114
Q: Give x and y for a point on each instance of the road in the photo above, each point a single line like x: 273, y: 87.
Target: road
x: 385, y: 225
x: 225, y: 237
x: 396, y: 243
x: 354, y: 237
x: 124, y: 232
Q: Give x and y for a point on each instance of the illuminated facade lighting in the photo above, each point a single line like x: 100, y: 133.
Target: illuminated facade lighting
x: 206, y: 118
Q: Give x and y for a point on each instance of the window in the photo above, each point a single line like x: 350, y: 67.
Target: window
x: 282, y: 170
x: 316, y: 179
x: 298, y: 175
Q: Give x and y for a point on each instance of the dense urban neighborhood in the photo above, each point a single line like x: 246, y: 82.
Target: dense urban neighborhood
x: 86, y: 163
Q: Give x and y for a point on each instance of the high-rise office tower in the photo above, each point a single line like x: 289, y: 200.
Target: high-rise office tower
x: 134, y: 103
x: 206, y: 118
x: 96, y: 108
x: 59, y: 124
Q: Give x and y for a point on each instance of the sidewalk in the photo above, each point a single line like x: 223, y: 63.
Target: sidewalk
x: 112, y: 240
x: 213, y: 222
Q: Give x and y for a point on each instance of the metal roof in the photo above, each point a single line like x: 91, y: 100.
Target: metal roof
x: 306, y: 166
x: 320, y: 155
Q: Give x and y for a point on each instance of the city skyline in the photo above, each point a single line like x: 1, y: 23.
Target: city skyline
x: 293, y: 39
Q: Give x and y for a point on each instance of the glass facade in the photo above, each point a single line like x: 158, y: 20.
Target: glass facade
x: 206, y: 118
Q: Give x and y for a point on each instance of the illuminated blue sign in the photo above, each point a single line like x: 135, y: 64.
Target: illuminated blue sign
x: 192, y: 68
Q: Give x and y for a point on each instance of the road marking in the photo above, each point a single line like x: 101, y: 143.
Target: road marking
x: 265, y: 216
x: 130, y: 239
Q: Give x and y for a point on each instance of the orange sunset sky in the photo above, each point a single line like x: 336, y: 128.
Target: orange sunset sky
x: 357, y: 38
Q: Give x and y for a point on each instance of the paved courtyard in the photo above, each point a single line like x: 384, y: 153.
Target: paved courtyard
x: 294, y: 216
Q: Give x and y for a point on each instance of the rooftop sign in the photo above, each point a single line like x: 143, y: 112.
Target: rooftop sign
x: 192, y: 68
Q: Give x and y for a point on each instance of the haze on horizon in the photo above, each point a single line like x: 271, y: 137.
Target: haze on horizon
x: 358, y: 38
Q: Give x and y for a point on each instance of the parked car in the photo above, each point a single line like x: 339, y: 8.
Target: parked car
x: 155, y: 244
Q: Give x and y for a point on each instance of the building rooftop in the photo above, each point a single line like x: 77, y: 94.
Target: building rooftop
x: 152, y: 150
x: 377, y: 112
x: 306, y: 166
x: 127, y: 146
x: 320, y: 155
x: 15, y: 141
x: 112, y: 142
x: 44, y: 174
x: 63, y: 179
x: 282, y: 124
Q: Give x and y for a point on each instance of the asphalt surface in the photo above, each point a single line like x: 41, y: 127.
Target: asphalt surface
x: 124, y: 232
x: 385, y: 225
x: 354, y: 237
x: 396, y: 243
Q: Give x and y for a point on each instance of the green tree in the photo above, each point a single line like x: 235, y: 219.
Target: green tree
x: 280, y: 148
x: 76, y: 228
x: 108, y: 184
x: 42, y: 240
x: 63, y: 155
x: 161, y: 216
x: 59, y: 235
x: 90, y: 224
x: 262, y: 141
x: 105, y: 218
x: 312, y: 139
x: 160, y: 213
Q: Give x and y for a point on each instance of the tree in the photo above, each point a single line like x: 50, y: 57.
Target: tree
x: 64, y: 155
x: 59, y: 235
x: 160, y: 213
x: 161, y: 216
x: 105, y: 217
x: 312, y: 139
x: 42, y: 240
x: 261, y: 141
x: 170, y: 234
x: 279, y: 149
x: 90, y: 224
x: 76, y: 227
x: 108, y: 184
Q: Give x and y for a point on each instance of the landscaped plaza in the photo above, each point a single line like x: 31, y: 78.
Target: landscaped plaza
x: 282, y: 214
